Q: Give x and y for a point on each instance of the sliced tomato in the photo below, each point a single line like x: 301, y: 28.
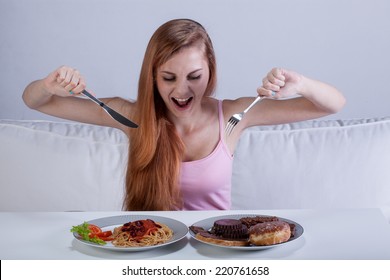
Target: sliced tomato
x: 105, y: 235
x: 94, y: 230
x: 109, y: 238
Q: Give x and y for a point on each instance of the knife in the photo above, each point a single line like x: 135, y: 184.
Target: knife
x: 114, y: 114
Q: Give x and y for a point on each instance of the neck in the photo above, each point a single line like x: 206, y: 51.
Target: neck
x: 192, y: 122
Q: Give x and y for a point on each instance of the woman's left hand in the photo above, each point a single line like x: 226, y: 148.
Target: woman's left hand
x: 280, y: 83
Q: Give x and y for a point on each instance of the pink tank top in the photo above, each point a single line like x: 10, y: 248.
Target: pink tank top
x: 206, y: 183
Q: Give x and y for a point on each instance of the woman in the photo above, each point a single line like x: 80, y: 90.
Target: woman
x: 179, y: 157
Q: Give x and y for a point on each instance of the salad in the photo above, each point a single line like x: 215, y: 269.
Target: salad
x: 93, y: 233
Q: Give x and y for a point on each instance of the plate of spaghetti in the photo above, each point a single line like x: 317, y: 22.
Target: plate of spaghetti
x: 133, y: 232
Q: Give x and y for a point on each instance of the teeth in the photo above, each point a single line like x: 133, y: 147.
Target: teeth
x: 181, y: 99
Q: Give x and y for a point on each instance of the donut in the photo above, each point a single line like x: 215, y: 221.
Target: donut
x: 269, y: 233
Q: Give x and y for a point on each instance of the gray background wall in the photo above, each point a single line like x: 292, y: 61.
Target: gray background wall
x: 345, y: 43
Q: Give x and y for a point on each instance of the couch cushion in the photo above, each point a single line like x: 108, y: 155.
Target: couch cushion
x: 314, y: 164
x: 50, y: 166
x: 58, y: 166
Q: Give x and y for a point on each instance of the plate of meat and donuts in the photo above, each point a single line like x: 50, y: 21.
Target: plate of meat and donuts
x: 246, y: 231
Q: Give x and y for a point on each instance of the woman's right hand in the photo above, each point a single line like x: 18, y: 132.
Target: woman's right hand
x: 64, y: 81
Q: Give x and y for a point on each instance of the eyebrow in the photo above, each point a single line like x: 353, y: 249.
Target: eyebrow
x: 192, y: 72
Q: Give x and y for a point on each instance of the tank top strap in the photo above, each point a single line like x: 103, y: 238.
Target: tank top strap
x: 221, y: 120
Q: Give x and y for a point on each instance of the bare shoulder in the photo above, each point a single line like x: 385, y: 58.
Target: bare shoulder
x: 231, y: 107
x: 123, y: 106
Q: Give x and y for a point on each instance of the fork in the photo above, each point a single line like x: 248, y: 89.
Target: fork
x: 236, y: 118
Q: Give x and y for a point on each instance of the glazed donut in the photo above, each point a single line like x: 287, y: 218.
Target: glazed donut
x: 269, y: 233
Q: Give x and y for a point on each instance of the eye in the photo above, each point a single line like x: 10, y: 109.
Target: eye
x: 194, y: 77
x: 168, y: 79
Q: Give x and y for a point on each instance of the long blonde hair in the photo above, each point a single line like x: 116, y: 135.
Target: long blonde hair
x: 156, y: 150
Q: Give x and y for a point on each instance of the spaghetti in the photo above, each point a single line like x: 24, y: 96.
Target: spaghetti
x: 141, y: 233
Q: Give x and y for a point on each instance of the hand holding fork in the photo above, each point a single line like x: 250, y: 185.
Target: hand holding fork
x: 273, y: 82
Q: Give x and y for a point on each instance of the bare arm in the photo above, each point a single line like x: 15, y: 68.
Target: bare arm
x: 52, y: 96
x: 285, y: 83
x: 296, y: 98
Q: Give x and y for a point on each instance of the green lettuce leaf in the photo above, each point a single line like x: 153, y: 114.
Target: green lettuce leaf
x: 84, y: 232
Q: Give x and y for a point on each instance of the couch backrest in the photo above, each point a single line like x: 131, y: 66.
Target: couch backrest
x: 57, y: 166
x: 314, y: 164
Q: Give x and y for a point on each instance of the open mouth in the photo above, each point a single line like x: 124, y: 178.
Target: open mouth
x: 182, y: 102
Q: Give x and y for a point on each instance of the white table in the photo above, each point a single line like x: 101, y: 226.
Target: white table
x: 328, y: 234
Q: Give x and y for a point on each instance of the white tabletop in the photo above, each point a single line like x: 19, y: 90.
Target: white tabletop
x: 328, y: 234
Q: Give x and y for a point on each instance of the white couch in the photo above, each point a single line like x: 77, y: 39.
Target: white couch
x: 58, y: 166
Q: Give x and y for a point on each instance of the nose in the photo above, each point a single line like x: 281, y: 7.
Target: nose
x: 181, y: 87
